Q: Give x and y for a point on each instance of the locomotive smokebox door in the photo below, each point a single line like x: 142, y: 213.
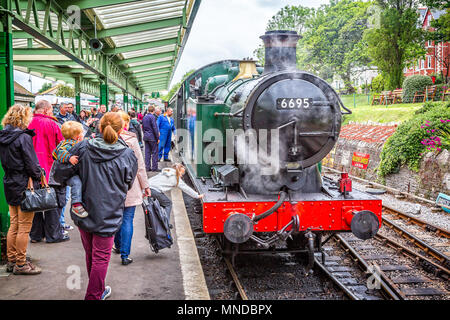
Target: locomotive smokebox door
x: 238, y: 228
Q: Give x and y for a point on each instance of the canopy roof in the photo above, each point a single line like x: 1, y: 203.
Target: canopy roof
x: 143, y: 41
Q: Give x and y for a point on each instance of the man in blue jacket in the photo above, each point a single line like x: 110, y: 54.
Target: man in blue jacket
x: 151, y: 140
x: 166, y: 126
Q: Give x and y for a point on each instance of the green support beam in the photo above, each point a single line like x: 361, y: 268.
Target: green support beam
x: 125, y: 101
x: 30, y: 63
x: 24, y: 13
x: 89, y: 4
x: 141, y: 46
x: 144, y: 74
x: 150, y: 66
x: 144, y: 58
x: 135, y: 28
x: 104, y: 95
x: 6, y: 100
x: 78, y: 94
x: 35, y: 51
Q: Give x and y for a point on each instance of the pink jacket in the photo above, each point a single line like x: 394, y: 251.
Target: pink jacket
x: 135, y: 194
x: 48, y: 136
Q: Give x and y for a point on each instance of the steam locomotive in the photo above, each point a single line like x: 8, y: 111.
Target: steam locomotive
x: 252, y: 140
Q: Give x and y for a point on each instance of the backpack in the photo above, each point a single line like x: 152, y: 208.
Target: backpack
x: 157, y: 230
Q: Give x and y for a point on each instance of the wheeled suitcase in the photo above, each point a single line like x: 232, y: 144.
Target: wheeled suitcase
x: 157, y: 230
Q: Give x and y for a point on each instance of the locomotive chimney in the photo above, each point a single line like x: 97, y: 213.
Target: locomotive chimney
x: 281, y: 50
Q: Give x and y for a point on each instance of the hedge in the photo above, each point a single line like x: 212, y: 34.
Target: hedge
x: 408, y: 144
x: 413, y: 84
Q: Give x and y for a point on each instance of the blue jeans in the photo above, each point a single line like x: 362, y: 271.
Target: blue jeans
x: 73, y: 191
x: 123, y: 237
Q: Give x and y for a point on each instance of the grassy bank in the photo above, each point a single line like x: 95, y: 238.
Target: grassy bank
x: 362, y: 111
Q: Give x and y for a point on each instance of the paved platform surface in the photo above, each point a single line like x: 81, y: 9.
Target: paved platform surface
x: 151, y: 276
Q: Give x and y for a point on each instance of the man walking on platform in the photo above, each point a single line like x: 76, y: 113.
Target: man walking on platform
x: 48, y: 136
x: 166, y: 126
x: 151, y: 139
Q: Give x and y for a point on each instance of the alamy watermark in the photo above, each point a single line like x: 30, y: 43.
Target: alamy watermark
x: 73, y: 281
x: 74, y: 17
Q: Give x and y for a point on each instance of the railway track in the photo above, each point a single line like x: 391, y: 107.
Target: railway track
x: 429, y: 239
x: 381, y: 269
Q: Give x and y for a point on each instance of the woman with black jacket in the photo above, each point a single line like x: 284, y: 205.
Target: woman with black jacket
x: 19, y: 161
x: 107, y: 169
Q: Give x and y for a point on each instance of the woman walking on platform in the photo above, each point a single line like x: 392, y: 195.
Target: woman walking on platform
x: 122, y: 239
x: 107, y: 169
x: 19, y: 161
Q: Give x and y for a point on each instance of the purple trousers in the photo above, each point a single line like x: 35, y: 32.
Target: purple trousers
x: 98, y: 253
x: 151, y: 155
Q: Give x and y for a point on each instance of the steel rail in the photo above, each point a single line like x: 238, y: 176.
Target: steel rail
x: 390, y: 189
x: 388, y: 287
x: 236, y: 280
x: 429, y: 249
x: 406, y: 251
x: 410, y: 219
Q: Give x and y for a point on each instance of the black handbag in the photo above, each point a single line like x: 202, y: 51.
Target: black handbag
x: 39, y: 200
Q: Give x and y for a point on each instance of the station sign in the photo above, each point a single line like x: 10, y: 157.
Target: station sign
x: 360, y: 160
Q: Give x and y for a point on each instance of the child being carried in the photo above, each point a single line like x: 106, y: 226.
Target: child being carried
x: 72, y: 132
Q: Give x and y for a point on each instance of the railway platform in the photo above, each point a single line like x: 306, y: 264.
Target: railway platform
x: 172, y: 274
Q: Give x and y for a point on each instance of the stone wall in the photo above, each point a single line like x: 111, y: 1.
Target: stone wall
x: 432, y: 178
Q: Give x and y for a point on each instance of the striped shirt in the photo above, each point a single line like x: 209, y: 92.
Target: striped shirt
x: 61, y: 153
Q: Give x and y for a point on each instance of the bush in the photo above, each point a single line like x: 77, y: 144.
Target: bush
x: 413, y: 84
x: 405, y: 145
x: 378, y: 83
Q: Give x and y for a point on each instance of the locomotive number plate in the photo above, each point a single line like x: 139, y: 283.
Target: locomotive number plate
x: 294, y: 103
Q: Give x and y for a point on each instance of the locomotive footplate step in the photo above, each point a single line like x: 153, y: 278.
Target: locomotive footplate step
x: 423, y: 292
x: 411, y: 279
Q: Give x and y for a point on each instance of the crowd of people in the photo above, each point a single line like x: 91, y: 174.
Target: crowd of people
x: 91, y: 150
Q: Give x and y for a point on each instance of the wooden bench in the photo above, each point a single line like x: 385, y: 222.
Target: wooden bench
x: 397, y: 94
x: 386, y: 97
x: 425, y: 95
x: 376, y: 98
x: 445, y: 93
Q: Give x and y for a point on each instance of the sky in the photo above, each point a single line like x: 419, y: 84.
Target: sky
x: 223, y: 29
x: 229, y: 30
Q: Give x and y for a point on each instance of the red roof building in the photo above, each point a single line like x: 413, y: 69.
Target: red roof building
x: 437, y: 53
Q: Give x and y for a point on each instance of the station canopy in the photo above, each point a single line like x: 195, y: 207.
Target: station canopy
x: 142, y: 42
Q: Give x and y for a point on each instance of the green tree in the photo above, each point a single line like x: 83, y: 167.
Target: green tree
x: 45, y: 87
x: 292, y: 18
x: 440, y: 33
x: 396, y: 40
x: 176, y: 86
x: 65, y: 91
x: 335, y: 38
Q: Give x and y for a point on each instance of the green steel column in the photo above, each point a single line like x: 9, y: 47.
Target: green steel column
x: 125, y: 101
x: 131, y: 102
x: 6, y: 100
x: 104, y: 91
x: 78, y: 95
